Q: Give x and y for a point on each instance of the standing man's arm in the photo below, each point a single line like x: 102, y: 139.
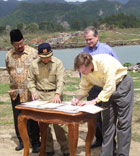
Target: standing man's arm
x: 6, y: 63
x: 31, y: 83
x: 85, y: 86
x: 59, y: 83
x: 112, y: 53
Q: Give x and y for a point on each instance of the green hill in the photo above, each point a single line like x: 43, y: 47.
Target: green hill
x: 58, y: 13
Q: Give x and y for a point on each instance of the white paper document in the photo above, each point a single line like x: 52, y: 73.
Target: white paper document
x: 63, y: 107
x: 34, y: 103
x: 67, y: 107
x: 91, y: 109
x: 41, y: 104
x: 51, y: 105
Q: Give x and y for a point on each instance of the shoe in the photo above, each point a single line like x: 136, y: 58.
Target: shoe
x: 35, y: 149
x: 19, y: 147
x: 49, y: 153
x: 96, y: 144
x: 66, y: 154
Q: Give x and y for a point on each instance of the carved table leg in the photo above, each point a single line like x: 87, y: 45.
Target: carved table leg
x: 90, y: 135
x: 73, y: 130
x: 22, y: 126
x: 43, y: 133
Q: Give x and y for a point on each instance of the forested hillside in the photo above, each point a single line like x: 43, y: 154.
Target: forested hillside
x: 59, y: 16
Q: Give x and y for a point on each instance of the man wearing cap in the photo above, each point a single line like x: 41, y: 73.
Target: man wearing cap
x: 46, y: 82
x: 18, y: 61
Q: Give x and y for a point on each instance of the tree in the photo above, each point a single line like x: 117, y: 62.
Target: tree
x: 122, y: 20
x: 21, y: 26
x: 43, y: 25
x: 2, y: 29
x: 75, y: 24
x: 8, y: 29
x: 33, y: 27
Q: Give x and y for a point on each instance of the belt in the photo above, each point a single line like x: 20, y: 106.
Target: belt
x: 44, y: 90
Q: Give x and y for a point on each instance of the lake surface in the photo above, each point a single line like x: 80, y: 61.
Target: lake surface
x: 125, y: 54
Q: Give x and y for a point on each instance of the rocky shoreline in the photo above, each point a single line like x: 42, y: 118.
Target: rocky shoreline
x: 75, y: 40
x: 111, y: 43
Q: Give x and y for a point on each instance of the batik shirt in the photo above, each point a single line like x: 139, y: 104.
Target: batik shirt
x: 17, y: 66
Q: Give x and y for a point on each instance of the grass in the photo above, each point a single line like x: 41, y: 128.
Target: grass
x: 129, y: 30
x: 4, y: 88
x: 136, y: 84
x: 71, y: 86
x: 114, y: 36
x: 4, y: 103
x: 134, y: 74
x: 6, y: 114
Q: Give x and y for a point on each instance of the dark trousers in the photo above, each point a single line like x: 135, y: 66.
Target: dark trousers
x: 32, y: 126
x: 120, y: 106
x: 93, y: 93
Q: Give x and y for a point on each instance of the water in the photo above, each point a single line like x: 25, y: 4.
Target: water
x: 125, y: 54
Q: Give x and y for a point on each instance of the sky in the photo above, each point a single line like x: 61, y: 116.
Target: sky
x: 75, y: 0
x: 67, y: 0
x: 81, y: 0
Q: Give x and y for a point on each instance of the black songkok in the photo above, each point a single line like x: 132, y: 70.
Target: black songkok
x: 16, y: 35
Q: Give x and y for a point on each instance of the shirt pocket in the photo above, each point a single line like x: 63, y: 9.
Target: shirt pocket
x: 52, y: 78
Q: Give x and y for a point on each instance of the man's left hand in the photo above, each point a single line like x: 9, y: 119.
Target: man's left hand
x: 56, y: 99
x: 82, y: 103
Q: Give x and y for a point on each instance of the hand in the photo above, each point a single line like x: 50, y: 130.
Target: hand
x: 34, y: 96
x: 82, y: 103
x: 94, y: 102
x: 74, y: 101
x: 56, y: 99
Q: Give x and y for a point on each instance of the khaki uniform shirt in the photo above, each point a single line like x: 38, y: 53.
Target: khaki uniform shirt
x: 46, y: 77
x: 17, y: 66
x: 108, y: 72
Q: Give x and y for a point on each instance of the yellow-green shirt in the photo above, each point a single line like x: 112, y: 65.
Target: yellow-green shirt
x: 108, y: 72
x: 46, y: 76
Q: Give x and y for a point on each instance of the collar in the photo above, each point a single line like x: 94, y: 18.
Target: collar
x: 94, y: 48
x: 24, y: 52
x: 52, y: 60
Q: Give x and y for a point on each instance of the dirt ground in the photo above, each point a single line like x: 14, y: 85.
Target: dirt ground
x: 8, y: 143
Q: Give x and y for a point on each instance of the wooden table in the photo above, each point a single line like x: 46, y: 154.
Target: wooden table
x: 46, y: 117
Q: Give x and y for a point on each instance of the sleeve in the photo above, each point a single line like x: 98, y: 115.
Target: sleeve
x: 6, y: 63
x: 109, y: 87
x: 31, y: 81
x: 60, y: 78
x: 35, y: 54
x: 85, y: 86
x: 112, y: 53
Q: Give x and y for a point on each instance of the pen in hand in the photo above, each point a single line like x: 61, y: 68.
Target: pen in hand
x: 74, y: 101
x: 73, y: 98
